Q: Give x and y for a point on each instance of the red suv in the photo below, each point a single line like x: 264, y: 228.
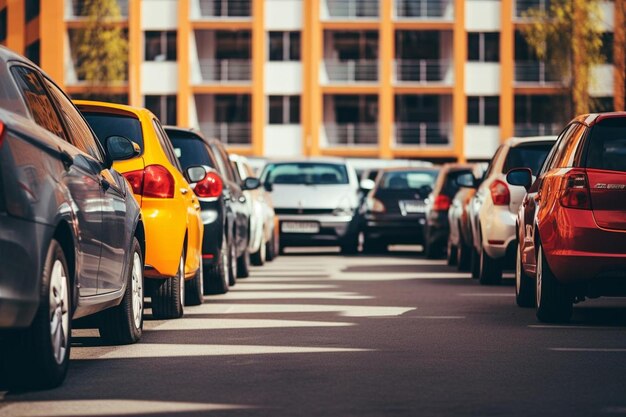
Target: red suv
x: 572, y: 223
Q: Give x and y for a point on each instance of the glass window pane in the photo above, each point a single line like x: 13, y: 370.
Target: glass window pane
x: 170, y: 117
x: 492, y: 111
x: 276, y: 46
x: 294, y: 46
x: 473, y: 110
x: 171, y: 45
x: 294, y: 109
x: 492, y: 47
x: 276, y: 110
x: 473, y: 46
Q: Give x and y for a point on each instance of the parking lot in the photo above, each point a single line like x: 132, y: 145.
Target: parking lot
x: 316, y: 333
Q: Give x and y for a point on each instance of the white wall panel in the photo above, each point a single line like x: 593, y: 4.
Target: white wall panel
x: 481, y: 142
x: 283, y: 78
x: 283, y: 14
x: 482, y: 78
x: 159, y: 15
x: 282, y: 141
x: 602, y: 84
x: 482, y: 16
x: 159, y: 77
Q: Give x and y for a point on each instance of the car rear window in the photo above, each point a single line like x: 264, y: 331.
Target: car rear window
x: 190, y: 150
x: 607, y: 145
x: 105, y: 125
x: 9, y: 95
x: 450, y: 187
x: 527, y: 156
x: 307, y: 173
x: 407, y: 180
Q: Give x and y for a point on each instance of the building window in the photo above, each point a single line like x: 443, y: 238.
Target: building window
x: 483, y: 47
x: 163, y: 107
x: 607, y: 47
x: 284, y: 46
x: 484, y: 111
x: 3, y: 24
x: 160, y: 46
x: 31, y: 9
x: 32, y: 52
x: 284, y: 110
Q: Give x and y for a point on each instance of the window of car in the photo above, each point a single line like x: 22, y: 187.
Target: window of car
x: 450, y: 186
x: 308, y: 173
x: 224, y: 166
x: 37, y: 101
x: 80, y: 134
x: 407, y: 180
x: 607, y: 145
x: 559, y: 148
x: 166, y: 145
x: 190, y: 150
x: 106, y: 124
x: 530, y: 155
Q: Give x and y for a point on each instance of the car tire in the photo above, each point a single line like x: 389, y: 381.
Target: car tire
x: 463, y: 257
x: 33, y: 358
x: 258, y: 258
x: 373, y: 246
x: 194, y: 288
x: 123, y: 324
x: 490, y: 270
x: 524, y: 285
x: 243, y: 265
x: 451, y: 252
x: 168, y: 298
x: 554, y: 304
x: 475, y: 263
x: 350, y: 246
x: 217, y: 275
x: 232, y: 262
x: 270, y: 249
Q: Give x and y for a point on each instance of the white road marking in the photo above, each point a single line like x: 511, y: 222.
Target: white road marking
x: 224, y: 324
x: 565, y: 349
x: 437, y: 317
x: 287, y: 295
x: 343, y: 310
x: 485, y: 294
x: 404, y: 276
x: 256, y: 286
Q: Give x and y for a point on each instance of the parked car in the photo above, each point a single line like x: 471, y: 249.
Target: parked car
x: 437, y: 205
x: 394, y: 210
x: 170, y: 208
x: 71, y: 235
x: 316, y: 201
x: 495, y: 204
x: 263, y: 242
x: 460, y: 237
x: 571, y: 226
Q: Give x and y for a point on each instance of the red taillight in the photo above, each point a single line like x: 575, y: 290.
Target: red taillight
x: 500, y: 194
x: 2, y: 129
x: 157, y: 182
x: 135, y: 179
x: 210, y: 186
x: 441, y: 203
x: 575, y: 191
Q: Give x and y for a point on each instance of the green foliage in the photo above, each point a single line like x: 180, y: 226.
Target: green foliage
x: 100, y: 48
x: 567, y: 36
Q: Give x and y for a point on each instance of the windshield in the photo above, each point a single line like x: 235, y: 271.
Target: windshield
x: 105, y: 125
x: 307, y: 173
x: 528, y: 156
x: 190, y: 151
x: 607, y: 146
x: 407, y: 180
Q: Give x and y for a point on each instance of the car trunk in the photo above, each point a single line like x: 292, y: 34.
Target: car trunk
x: 403, y: 202
x: 608, y: 198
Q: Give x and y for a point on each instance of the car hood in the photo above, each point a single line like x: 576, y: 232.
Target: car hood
x: 313, y: 196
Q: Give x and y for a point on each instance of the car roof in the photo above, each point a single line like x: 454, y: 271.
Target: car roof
x: 104, y: 107
x: 409, y: 168
x: 593, y: 118
x: 320, y: 159
x: 7, y: 55
x: 513, y: 142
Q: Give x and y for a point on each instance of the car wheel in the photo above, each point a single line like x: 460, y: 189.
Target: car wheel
x: 451, y: 253
x: 38, y: 357
x: 371, y: 245
x: 463, y: 257
x: 524, y: 288
x: 168, y: 299
x: 232, y: 262
x: 554, y: 305
x: 490, y: 270
x: 475, y: 263
x: 432, y: 250
x: 243, y: 264
x: 270, y: 249
x: 258, y: 258
x: 350, y: 246
x: 123, y: 324
x: 194, y: 288
x: 216, y: 276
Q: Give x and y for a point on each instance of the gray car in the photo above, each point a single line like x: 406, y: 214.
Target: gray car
x: 316, y: 202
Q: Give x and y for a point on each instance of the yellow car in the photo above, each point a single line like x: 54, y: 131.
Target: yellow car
x: 169, y: 207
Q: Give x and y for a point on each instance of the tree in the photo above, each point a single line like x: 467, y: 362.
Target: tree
x: 619, y: 54
x: 100, y: 49
x: 568, y: 38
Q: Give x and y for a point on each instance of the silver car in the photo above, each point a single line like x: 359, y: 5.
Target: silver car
x: 316, y: 202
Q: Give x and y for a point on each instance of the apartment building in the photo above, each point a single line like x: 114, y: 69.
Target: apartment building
x: 433, y: 79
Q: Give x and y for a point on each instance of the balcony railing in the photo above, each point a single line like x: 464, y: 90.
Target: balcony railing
x: 352, y: 71
x: 422, y: 134
x: 352, y: 9
x: 537, y: 129
x: 523, y: 6
x: 423, y: 71
x: 533, y: 72
x: 349, y: 134
x: 228, y: 133
x: 225, y: 8
x: 76, y: 9
x: 423, y: 9
x: 225, y: 70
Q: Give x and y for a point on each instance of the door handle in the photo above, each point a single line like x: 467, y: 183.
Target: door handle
x: 184, y: 191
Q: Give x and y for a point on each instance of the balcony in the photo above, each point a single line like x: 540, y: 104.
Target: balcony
x: 351, y: 71
x: 424, y: 10
x: 350, y: 9
x: 236, y: 133
x: 536, y: 73
x: 423, y: 134
x: 522, y: 7
x: 537, y: 129
x: 423, y: 71
x: 76, y: 9
x: 219, y: 9
x: 351, y: 134
x: 225, y: 70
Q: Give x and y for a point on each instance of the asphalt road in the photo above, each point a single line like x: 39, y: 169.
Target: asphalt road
x: 324, y: 335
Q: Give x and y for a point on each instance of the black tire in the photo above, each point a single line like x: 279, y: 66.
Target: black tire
x: 524, y: 285
x: 463, y: 257
x: 270, y: 249
x: 216, y: 276
x: 451, y: 253
x: 194, y: 288
x: 123, y: 324
x: 168, y: 298
x: 475, y: 263
x: 243, y: 265
x: 350, y: 245
x: 371, y: 245
x: 259, y: 257
x: 490, y: 270
x: 432, y: 250
x: 27, y: 357
x: 232, y: 262
x: 554, y: 304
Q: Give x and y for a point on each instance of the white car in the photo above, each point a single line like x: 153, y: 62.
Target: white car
x: 493, y: 209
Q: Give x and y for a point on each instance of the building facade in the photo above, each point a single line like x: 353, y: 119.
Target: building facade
x: 431, y: 79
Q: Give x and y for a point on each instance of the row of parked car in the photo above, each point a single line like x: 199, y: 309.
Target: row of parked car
x: 95, y: 197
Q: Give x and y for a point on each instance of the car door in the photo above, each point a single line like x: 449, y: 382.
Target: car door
x: 114, y: 228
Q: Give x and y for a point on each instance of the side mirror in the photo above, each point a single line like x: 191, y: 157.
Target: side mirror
x: 195, y: 173
x: 366, y: 185
x: 466, y: 180
x: 268, y: 186
x: 251, y: 183
x: 522, y: 177
x: 120, y: 148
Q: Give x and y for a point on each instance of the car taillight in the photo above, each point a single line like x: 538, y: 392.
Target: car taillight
x: 135, y: 179
x: 441, y: 203
x: 500, y: 194
x: 575, y: 191
x: 2, y: 129
x: 157, y: 182
x: 210, y: 186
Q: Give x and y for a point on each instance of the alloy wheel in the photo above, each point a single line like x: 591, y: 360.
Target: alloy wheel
x: 137, y: 290
x: 181, y: 281
x: 539, y: 276
x: 59, y: 312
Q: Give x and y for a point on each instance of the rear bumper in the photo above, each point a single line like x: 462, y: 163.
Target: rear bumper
x: 165, y: 232
x: 213, y: 220
x: 395, y: 229
x: 333, y: 230
x: 498, y: 231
